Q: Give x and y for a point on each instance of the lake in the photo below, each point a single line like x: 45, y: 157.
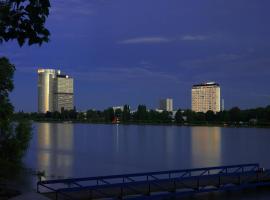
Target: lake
x: 66, y: 150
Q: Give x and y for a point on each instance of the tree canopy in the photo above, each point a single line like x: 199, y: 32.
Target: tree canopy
x: 14, y: 139
x: 6, y: 86
x: 24, y: 20
x: 234, y: 116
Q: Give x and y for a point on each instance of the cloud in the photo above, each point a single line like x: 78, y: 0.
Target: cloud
x: 120, y: 74
x: 194, y: 37
x: 146, y: 40
x: 161, y: 39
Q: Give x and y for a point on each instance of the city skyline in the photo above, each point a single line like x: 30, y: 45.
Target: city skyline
x: 56, y: 93
x: 147, y: 56
x: 170, y: 106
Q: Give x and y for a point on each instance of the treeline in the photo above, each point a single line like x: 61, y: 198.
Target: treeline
x: 234, y: 116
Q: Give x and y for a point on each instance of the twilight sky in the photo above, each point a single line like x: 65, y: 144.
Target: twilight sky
x: 138, y: 51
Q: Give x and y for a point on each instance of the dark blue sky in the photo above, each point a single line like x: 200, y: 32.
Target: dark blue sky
x: 138, y: 51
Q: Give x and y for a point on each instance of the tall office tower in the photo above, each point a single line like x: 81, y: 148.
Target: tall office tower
x: 166, y: 104
x: 45, y: 89
x: 55, y: 91
x: 63, y: 93
x: 206, y: 97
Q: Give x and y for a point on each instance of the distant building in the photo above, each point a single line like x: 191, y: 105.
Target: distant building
x: 55, y: 91
x: 206, y: 97
x: 166, y: 104
x: 159, y: 111
x: 118, y: 108
x: 222, y: 105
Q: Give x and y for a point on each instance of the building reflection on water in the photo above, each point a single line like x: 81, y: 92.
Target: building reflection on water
x: 55, y: 149
x: 206, y: 146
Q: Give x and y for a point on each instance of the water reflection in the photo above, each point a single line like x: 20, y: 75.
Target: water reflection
x: 206, y: 146
x: 169, y: 139
x: 55, y: 149
x: 117, y: 138
x: 108, y: 149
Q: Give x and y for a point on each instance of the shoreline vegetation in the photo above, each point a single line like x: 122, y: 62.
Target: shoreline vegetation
x: 253, y: 118
x: 24, y: 21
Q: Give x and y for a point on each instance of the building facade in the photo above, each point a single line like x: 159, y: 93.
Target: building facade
x: 55, y: 91
x: 206, y: 97
x: 63, y: 93
x: 166, y: 104
x: 45, y: 89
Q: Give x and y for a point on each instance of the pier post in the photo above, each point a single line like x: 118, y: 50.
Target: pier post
x: 90, y: 194
x: 122, y: 193
x: 239, y: 180
x: 174, y: 186
x: 38, y: 187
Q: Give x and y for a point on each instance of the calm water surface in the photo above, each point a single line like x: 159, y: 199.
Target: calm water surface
x: 76, y: 150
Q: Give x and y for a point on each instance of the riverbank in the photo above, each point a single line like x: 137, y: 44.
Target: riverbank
x: 7, y: 193
x: 15, y: 179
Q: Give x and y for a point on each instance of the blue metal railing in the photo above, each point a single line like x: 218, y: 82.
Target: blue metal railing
x: 130, y: 181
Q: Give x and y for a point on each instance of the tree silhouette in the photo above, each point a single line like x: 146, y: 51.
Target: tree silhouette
x: 6, y: 86
x: 24, y: 20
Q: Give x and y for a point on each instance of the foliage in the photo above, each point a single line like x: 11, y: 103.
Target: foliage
x: 9, y: 170
x: 24, y: 20
x: 93, y: 116
x: 179, y: 117
x: 234, y: 116
x: 141, y: 115
x: 109, y: 115
x: 14, y: 138
x: 16, y: 142
x: 6, y: 86
x: 126, y: 116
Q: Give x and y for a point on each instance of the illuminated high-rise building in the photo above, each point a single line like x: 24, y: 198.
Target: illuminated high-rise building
x: 55, y: 91
x: 63, y: 93
x: 206, y: 97
x: 45, y: 89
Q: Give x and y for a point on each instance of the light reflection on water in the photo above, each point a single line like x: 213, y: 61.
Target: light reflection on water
x: 55, y: 148
x: 65, y: 150
x: 206, y: 146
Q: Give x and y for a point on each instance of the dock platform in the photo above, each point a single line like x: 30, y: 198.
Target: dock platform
x: 157, y: 185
